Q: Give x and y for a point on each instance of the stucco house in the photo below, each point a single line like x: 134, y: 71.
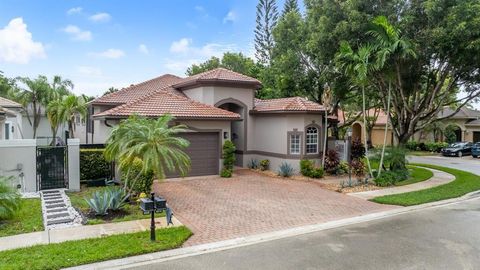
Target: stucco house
x: 10, y: 120
x: 218, y: 105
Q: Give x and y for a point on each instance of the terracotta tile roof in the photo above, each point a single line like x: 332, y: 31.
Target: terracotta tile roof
x: 162, y: 102
x: 218, y: 75
x: 292, y: 104
x: 7, y: 103
x: 463, y: 113
x: 136, y: 91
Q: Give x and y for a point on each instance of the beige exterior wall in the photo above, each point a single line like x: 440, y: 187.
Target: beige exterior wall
x: 378, y: 134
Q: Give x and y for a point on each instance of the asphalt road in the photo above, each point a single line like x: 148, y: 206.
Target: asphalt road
x: 447, y: 237
x: 466, y: 163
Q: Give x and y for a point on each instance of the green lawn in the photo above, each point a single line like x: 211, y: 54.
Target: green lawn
x: 417, y: 174
x: 28, y: 219
x: 464, y: 183
x: 132, y: 211
x: 72, y: 253
x: 421, y: 153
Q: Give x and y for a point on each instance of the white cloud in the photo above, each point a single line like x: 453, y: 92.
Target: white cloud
x: 230, y: 17
x: 143, y: 49
x: 100, y: 17
x: 75, y: 10
x: 181, y: 46
x: 17, y: 45
x: 110, y: 54
x: 89, y: 71
x: 77, y: 34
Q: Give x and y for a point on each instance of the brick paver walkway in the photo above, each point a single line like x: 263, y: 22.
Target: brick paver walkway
x: 250, y: 203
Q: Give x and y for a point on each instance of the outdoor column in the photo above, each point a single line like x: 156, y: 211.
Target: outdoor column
x: 73, y: 164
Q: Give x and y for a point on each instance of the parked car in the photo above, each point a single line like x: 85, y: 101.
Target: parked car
x: 476, y: 150
x: 458, y: 149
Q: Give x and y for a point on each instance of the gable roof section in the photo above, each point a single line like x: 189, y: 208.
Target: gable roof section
x: 7, y: 103
x: 286, y: 105
x: 161, y: 102
x: 218, y: 75
x: 463, y: 113
x: 137, y: 91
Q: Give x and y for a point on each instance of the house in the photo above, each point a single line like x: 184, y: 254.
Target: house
x: 10, y: 120
x: 465, y: 123
x: 218, y: 105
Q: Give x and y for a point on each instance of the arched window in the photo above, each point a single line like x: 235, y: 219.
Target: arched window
x: 311, y: 140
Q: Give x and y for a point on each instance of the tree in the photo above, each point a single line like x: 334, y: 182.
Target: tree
x: 9, y: 199
x: 151, y: 140
x: 55, y: 116
x: 110, y: 90
x: 267, y: 16
x: 70, y: 107
x: 234, y: 61
x: 290, y: 5
x: 7, y: 86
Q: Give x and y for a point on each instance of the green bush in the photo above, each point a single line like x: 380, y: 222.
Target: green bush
x: 93, y: 164
x: 264, y: 164
x: 435, y: 146
x: 342, y: 168
x: 412, y: 145
x: 308, y: 169
x: 358, y: 149
x: 228, y: 156
x: 331, y: 161
x: 144, y: 181
x: 9, y: 199
x: 389, y: 178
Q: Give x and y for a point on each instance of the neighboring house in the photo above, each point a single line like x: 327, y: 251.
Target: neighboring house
x: 465, y: 123
x: 218, y: 105
x: 44, y: 130
x: 10, y: 120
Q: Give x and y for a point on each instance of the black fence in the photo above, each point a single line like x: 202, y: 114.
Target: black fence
x: 52, y: 167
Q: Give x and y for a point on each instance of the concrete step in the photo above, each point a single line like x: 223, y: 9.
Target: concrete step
x: 47, y: 196
x: 59, y: 221
x: 54, y: 201
x: 55, y: 205
x: 56, y: 210
x: 51, y: 192
x: 58, y: 215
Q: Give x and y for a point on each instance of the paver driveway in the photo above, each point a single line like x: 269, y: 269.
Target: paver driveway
x: 250, y: 203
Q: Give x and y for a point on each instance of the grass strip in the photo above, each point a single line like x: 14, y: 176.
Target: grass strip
x: 28, y: 219
x: 417, y: 174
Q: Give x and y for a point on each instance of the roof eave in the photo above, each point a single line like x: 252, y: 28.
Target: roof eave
x: 287, y: 112
x: 217, y: 82
x: 101, y: 117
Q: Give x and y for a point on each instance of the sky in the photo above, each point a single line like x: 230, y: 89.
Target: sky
x: 99, y: 44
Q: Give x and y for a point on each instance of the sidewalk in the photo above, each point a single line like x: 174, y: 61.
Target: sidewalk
x: 80, y: 232
x: 438, y: 178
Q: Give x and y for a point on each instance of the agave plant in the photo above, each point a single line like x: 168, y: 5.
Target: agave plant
x: 285, y: 170
x: 9, y: 199
x: 99, y: 203
x: 117, y: 198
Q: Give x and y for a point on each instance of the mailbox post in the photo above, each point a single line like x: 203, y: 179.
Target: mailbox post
x: 151, y: 206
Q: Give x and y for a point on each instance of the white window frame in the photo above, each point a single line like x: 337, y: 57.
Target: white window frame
x: 308, y: 137
x: 299, y: 144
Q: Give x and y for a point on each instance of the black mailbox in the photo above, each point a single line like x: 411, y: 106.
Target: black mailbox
x: 160, y: 203
x: 146, y: 205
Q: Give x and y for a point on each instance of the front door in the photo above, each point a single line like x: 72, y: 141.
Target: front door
x: 476, y: 136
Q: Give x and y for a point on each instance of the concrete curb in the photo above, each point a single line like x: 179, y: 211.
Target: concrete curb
x: 254, y: 239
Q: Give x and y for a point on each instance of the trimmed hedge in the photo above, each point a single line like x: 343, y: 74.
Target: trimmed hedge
x: 93, y: 164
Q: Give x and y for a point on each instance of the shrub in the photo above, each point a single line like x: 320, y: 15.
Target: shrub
x: 141, y: 184
x: 308, y: 169
x: 253, y: 164
x: 226, y: 173
x: 117, y: 198
x: 412, y: 145
x: 228, y: 158
x: 342, y: 168
x: 331, y: 161
x: 387, y: 178
x: 435, y: 146
x: 285, y: 169
x: 357, y: 149
x: 9, y: 199
x: 397, y: 160
x: 358, y: 168
x: 93, y: 164
x: 264, y: 164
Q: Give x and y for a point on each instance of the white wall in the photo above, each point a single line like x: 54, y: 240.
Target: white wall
x: 17, y: 158
x: 43, y: 130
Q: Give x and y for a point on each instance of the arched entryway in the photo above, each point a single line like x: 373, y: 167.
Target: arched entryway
x: 453, y: 133
x: 238, y: 129
x: 356, y: 131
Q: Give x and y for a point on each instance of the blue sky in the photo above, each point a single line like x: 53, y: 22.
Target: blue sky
x: 99, y: 44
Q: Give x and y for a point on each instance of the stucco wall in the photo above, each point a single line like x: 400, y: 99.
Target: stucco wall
x: 43, y: 130
x: 20, y: 164
x: 275, y: 162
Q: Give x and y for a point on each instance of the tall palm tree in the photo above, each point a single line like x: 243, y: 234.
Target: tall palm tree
x: 358, y: 66
x: 55, y: 116
x: 327, y: 100
x: 71, y: 106
x: 389, y: 46
x: 151, y: 140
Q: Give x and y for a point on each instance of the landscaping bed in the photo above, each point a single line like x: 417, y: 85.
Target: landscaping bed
x: 130, y: 211
x: 73, y: 253
x: 27, y: 219
x: 464, y: 183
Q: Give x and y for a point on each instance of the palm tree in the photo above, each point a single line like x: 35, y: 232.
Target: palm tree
x: 55, y: 116
x: 153, y: 142
x: 389, y: 46
x: 71, y: 106
x: 358, y: 66
x: 327, y: 100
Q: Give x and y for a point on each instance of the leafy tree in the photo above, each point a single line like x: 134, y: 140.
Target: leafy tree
x: 152, y: 141
x: 7, y: 86
x: 234, y: 61
x: 70, y: 107
x: 267, y: 16
x: 110, y: 90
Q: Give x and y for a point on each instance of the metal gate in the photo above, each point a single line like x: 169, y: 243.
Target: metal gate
x: 52, y: 169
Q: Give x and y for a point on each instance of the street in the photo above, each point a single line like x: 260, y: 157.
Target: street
x: 446, y: 237
x: 466, y: 163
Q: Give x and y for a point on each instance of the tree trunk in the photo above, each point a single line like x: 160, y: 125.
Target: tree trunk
x: 365, y: 132
x: 325, y: 140
x: 380, y: 166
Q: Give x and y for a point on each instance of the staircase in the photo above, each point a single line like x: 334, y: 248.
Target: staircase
x: 57, y: 210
